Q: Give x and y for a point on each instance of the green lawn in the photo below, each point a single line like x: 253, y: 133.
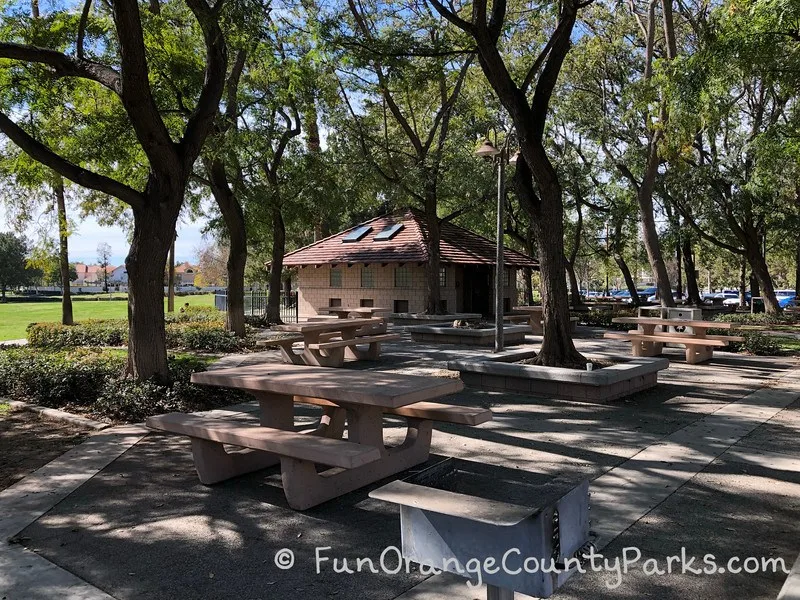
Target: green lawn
x: 15, y: 316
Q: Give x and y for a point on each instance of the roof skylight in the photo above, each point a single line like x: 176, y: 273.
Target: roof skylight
x: 389, y: 232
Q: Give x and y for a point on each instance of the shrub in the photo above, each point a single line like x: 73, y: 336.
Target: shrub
x: 91, y: 380
x: 196, y: 314
x: 53, y: 378
x: 760, y: 344
x: 196, y: 333
x: 93, y: 332
x: 206, y: 337
x: 756, y: 319
x: 603, y: 318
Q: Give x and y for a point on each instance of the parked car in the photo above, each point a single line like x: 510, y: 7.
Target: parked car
x: 675, y: 296
x: 732, y: 298
x: 787, y: 301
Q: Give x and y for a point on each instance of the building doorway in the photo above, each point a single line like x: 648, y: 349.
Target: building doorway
x: 478, y: 289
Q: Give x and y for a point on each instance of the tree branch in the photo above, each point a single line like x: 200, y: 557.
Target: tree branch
x: 87, y: 5
x: 41, y: 153
x: 63, y: 65
x: 136, y: 94
x: 201, y: 122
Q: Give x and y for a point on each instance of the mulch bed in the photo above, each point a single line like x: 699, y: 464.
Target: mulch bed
x: 28, y: 441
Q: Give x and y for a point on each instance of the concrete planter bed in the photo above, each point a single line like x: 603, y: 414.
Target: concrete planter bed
x: 445, y: 333
x: 626, y: 376
x: 423, y: 319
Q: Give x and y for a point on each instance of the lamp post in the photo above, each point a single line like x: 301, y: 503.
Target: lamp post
x: 490, y: 151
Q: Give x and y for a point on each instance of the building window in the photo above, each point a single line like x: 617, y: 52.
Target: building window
x: 332, y: 302
x: 367, y: 277
x: 401, y: 306
x: 507, y: 279
x: 366, y: 303
x: 443, y: 305
x: 402, y: 277
x: 506, y: 305
x: 336, y: 278
x: 443, y: 277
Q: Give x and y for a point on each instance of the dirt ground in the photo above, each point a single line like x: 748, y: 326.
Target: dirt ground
x: 28, y: 441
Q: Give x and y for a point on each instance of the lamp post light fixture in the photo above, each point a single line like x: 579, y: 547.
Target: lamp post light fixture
x: 489, y: 151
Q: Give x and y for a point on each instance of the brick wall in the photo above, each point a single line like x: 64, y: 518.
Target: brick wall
x: 314, y: 290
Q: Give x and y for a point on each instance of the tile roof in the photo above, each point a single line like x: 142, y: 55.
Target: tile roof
x: 457, y: 246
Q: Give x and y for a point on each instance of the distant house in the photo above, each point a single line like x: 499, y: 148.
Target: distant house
x: 90, y: 274
x: 185, y: 274
x: 118, y: 275
x: 382, y: 263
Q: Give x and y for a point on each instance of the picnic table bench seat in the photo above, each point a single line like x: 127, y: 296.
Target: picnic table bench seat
x: 214, y: 464
x: 282, y: 341
x: 365, y: 339
x: 697, y: 349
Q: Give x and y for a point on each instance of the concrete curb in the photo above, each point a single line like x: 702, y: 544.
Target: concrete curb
x: 58, y: 415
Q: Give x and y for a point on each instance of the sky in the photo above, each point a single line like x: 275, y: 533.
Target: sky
x: 87, y: 234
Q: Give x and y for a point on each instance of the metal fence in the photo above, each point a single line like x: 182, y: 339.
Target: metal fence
x: 255, y: 304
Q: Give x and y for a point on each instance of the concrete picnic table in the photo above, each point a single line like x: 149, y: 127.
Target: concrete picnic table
x: 343, y: 312
x: 357, y: 397
x: 319, y: 347
x: 692, y: 334
x: 535, y: 317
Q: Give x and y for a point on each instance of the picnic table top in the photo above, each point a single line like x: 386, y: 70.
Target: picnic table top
x: 528, y: 308
x: 331, y: 325
x: 388, y: 390
x: 678, y: 322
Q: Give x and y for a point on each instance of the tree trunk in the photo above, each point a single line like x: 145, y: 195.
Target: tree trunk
x: 171, y: 278
x: 63, y: 253
x: 619, y: 259
x: 558, y: 349
x: 743, y: 283
x: 574, y: 291
x: 763, y: 281
x: 679, y: 261
x: 237, y: 261
x: 797, y: 266
x: 650, y: 233
x: 276, y: 267
x: 153, y: 232
x: 433, y: 292
x: 233, y: 215
x: 629, y: 282
x: 692, y: 288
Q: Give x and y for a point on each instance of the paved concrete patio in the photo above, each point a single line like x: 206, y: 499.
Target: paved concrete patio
x: 708, y: 460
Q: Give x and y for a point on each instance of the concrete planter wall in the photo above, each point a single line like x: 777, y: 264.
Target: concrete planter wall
x: 443, y: 333
x: 496, y: 373
x: 423, y: 319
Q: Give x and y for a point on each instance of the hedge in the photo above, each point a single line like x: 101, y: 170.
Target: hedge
x: 92, y: 381
x: 200, y: 329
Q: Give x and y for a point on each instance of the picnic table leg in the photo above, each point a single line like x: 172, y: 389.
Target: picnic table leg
x: 536, y: 323
x: 288, y: 355
x: 214, y: 464
x: 305, y: 487
x: 699, y: 354
x: 316, y: 358
x: 649, y: 348
x: 373, y: 351
x: 331, y: 423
